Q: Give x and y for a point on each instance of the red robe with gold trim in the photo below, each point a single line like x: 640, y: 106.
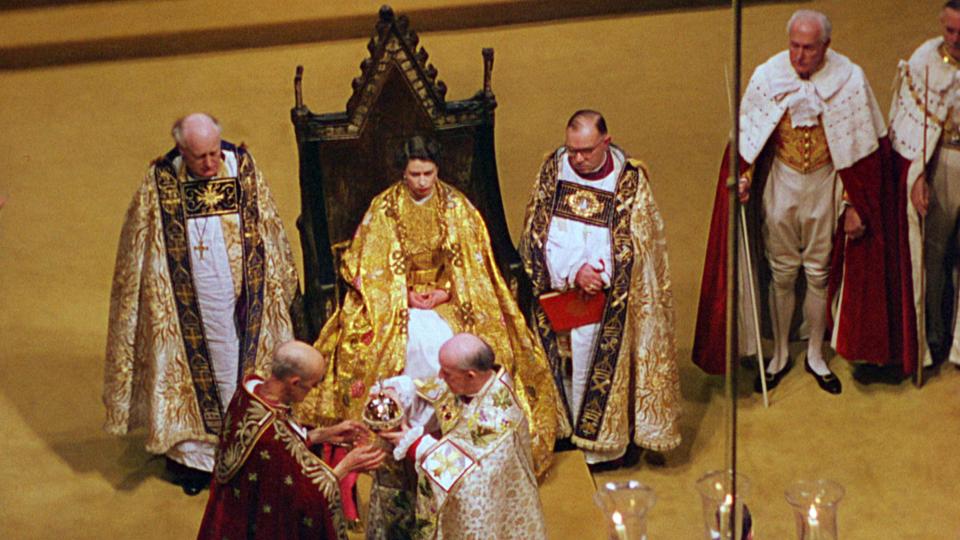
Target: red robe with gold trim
x: 267, y: 483
x: 871, y: 322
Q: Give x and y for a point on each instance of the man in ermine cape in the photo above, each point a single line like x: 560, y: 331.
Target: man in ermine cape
x: 928, y: 86
x: 813, y: 173
x: 202, y: 290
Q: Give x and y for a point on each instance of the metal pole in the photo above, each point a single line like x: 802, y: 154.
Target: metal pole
x: 732, y: 257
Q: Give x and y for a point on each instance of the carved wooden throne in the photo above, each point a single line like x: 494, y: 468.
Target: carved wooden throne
x: 346, y: 158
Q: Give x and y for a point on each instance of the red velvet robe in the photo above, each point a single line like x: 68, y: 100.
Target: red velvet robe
x: 267, y: 483
x: 877, y: 298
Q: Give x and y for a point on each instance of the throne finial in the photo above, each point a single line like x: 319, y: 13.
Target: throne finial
x: 487, y: 70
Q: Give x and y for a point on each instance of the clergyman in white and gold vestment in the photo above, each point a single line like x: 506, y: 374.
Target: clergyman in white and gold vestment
x: 203, y: 283
x: 472, y: 455
x: 592, y: 226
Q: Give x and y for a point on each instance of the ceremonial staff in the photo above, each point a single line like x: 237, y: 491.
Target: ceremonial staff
x: 751, y: 284
x: 922, y: 313
x: 731, y: 319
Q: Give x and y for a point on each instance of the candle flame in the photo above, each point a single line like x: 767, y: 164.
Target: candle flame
x: 812, y: 513
x: 728, y: 500
x: 617, y: 518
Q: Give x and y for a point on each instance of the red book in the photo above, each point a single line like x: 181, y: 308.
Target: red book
x: 572, y: 308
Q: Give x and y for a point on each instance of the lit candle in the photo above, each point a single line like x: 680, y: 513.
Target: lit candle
x: 725, y: 518
x: 619, y: 530
x: 813, y: 524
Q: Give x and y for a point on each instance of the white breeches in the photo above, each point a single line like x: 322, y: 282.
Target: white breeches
x: 939, y: 228
x: 798, y: 226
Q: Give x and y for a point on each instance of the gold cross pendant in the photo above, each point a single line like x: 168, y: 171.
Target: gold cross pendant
x: 200, y: 248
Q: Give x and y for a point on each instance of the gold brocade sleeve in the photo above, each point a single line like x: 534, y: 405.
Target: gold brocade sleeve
x: 280, y: 273
x: 365, y: 340
x: 147, y: 381
x: 124, y: 311
x: 656, y: 396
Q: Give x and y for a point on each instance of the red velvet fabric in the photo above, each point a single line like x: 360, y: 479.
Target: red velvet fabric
x: 333, y: 455
x: 710, y: 339
x: 873, y: 322
x: 270, y: 496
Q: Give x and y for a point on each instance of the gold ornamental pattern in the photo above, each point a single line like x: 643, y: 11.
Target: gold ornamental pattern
x: 366, y: 338
x: 803, y: 149
x: 170, y: 187
x: 147, y: 377
x: 211, y: 197
x: 642, y: 328
x: 583, y: 203
x: 478, y: 480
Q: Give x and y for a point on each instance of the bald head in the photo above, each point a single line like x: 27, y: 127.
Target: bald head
x: 198, y: 138
x: 297, y: 358
x: 588, y: 119
x: 466, y: 363
x: 468, y: 352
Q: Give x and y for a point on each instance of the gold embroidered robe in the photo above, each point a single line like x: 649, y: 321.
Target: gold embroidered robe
x: 267, y: 483
x: 635, y: 383
x: 365, y: 340
x: 150, y: 379
x: 477, y: 481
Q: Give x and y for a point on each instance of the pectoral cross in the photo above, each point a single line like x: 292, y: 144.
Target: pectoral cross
x: 200, y: 248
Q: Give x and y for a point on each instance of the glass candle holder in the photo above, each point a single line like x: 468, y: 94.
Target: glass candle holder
x: 814, y: 504
x: 625, y: 505
x: 717, y: 500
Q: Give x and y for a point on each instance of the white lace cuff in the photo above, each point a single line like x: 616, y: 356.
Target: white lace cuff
x: 410, y: 437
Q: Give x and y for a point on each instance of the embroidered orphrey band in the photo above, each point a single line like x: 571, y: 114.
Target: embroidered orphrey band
x: 174, y: 213
x: 211, y: 197
x: 583, y: 203
x: 185, y: 296
x: 609, y: 340
x: 610, y: 336
x: 254, y: 264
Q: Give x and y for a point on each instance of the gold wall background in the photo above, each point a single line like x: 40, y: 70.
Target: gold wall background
x: 76, y: 138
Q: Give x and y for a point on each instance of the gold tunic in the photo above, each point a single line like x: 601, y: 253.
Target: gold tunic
x: 803, y: 149
x: 427, y: 267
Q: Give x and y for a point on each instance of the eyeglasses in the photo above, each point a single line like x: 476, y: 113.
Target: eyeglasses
x: 585, y: 151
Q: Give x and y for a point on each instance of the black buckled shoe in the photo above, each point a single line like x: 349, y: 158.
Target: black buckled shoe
x: 830, y: 383
x: 191, y: 480
x: 774, y: 379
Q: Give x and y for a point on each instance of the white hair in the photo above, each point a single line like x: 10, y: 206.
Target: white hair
x: 826, y: 28
x: 178, y: 131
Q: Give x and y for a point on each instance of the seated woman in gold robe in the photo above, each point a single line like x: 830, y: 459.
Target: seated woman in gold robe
x: 420, y: 269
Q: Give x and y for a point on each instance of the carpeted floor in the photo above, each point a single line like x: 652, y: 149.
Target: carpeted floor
x: 77, y: 136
